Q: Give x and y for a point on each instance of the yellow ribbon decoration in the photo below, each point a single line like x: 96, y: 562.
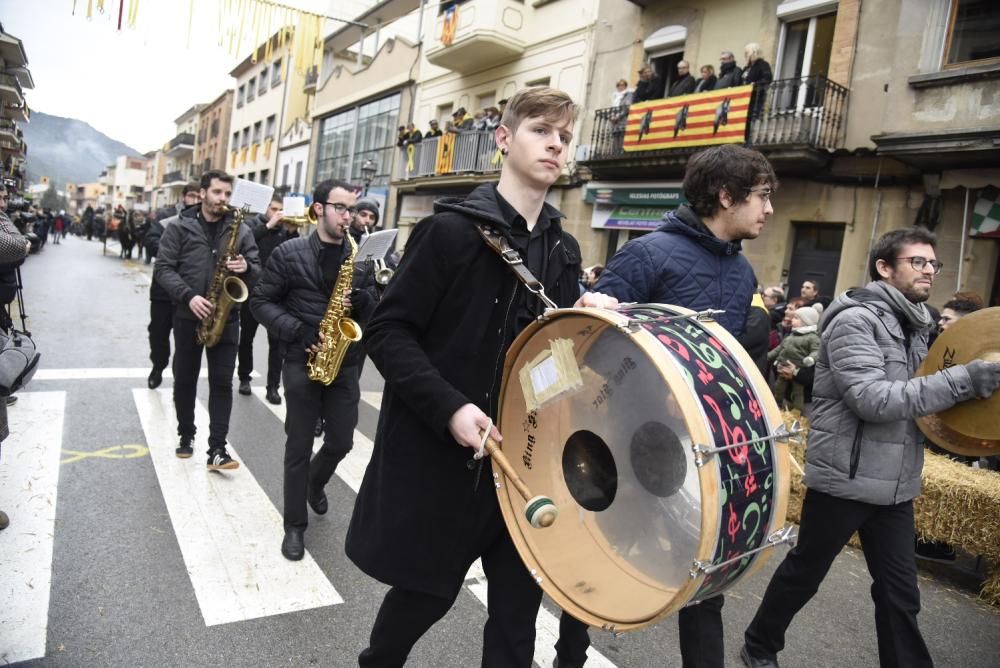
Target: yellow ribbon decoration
x: 132, y: 452
x: 410, y: 150
x: 497, y: 158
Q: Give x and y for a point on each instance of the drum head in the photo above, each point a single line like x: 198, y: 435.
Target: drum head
x: 615, y: 455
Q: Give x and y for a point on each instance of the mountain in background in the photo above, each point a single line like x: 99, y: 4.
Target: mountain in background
x: 67, y: 150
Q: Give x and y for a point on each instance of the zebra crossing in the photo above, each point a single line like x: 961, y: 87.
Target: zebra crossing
x: 224, y: 523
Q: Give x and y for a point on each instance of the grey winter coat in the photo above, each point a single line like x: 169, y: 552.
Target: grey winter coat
x: 863, y: 442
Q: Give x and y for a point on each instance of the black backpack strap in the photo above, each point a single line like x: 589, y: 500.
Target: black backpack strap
x: 499, y: 245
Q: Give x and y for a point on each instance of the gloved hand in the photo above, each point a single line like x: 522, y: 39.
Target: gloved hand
x: 985, y: 377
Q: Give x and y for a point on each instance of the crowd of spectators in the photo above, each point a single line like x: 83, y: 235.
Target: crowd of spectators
x: 484, y: 120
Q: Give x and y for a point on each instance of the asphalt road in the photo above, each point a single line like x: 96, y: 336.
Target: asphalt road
x: 117, y: 557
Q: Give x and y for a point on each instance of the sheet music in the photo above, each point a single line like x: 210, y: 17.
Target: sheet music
x: 255, y: 195
x: 294, y: 206
x: 377, y: 245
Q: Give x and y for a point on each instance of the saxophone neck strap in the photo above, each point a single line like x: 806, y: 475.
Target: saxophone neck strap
x: 499, y: 245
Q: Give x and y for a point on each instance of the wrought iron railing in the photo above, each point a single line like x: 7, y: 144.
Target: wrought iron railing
x: 809, y: 111
x: 11, y: 80
x: 181, y: 139
x: 473, y: 152
x: 173, y: 177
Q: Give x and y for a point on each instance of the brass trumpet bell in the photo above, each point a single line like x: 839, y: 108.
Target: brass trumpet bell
x: 301, y: 221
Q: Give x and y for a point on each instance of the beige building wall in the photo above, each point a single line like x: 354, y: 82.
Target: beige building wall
x: 211, y: 147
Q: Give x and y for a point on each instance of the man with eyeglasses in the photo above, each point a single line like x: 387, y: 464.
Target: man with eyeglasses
x: 865, y: 452
x: 290, y: 300
x: 694, y: 260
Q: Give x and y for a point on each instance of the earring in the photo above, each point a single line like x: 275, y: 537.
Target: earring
x: 503, y: 151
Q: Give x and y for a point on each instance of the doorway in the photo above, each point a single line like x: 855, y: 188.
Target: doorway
x: 815, y: 256
x: 666, y: 68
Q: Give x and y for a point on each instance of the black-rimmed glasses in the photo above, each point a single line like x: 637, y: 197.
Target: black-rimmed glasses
x: 765, y: 193
x: 918, y: 263
x: 341, y: 208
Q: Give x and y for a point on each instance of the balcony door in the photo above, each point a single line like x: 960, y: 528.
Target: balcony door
x: 815, y: 256
x: 804, y: 49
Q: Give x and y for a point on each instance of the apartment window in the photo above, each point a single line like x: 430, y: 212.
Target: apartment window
x: 201, y: 136
x: 350, y: 137
x: 276, y: 73
x: 236, y: 140
x: 262, y: 88
x: 298, y: 176
x: 214, y: 129
x: 207, y: 165
x: 252, y: 176
x: 265, y: 176
x: 251, y: 89
x: 246, y: 138
x: 284, y: 176
x: 804, y: 49
x: 269, y: 131
x: 972, y: 32
x: 239, y: 96
x: 256, y: 132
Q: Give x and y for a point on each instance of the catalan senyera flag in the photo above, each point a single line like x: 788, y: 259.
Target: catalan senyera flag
x: 699, y: 119
x: 446, y: 145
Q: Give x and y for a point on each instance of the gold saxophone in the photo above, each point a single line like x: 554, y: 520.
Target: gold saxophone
x: 225, y: 289
x: 339, y: 330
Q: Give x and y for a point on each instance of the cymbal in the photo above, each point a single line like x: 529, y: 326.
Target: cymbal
x: 971, y: 427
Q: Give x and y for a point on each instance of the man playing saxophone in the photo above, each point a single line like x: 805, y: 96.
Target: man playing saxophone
x: 308, y: 285
x: 186, y: 268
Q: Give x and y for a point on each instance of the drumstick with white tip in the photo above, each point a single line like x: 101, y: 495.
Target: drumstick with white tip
x: 540, y: 511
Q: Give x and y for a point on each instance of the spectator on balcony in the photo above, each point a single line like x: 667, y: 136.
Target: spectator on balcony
x: 492, y: 118
x: 413, y: 135
x: 460, y: 121
x: 729, y: 74
x: 435, y: 131
x: 503, y: 105
x: 650, y: 86
x: 401, y: 136
x: 758, y: 70
x: 479, y: 122
x: 707, y: 80
x: 622, y: 97
x: 685, y: 83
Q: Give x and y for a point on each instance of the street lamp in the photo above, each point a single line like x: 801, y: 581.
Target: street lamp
x: 368, y: 170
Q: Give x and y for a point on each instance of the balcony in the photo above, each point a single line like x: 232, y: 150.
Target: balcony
x: 173, y: 179
x: 485, y: 33
x: 797, y: 123
x: 10, y: 90
x: 180, y: 145
x: 8, y: 130
x: 472, y: 153
x: 312, y: 78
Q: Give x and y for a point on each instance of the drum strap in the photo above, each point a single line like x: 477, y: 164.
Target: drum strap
x: 499, y: 244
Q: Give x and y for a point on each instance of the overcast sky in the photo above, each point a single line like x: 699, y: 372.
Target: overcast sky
x: 131, y: 84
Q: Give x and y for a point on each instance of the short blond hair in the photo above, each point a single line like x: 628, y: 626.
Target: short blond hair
x: 753, y: 51
x: 551, y: 104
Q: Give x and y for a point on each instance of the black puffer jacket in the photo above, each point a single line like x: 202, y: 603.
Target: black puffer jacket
x: 152, y: 243
x: 439, y: 337
x: 291, y: 296
x: 187, y: 258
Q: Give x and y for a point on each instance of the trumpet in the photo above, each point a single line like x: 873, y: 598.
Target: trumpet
x: 301, y: 221
x: 382, y: 272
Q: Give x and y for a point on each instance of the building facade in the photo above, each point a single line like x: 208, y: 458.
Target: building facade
x: 178, y: 153
x: 212, y: 142
x: 14, y: 79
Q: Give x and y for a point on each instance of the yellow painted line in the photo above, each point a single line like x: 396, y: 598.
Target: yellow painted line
x: 113, y: 452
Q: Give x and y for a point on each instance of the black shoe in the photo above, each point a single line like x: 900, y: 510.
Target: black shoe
x: 11, y: 400
x: 750, y: 661
x: 245, y: 388
x: 318, y: 431
x: 318, y: 502
x: 272, y: 396
x: 184, y: 450
x: 293, y: 547
x: 219, y: 460
x: 155, y: 378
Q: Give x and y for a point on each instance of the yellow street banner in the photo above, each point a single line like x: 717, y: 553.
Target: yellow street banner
x: 446, y: 147
x: 699, y: 119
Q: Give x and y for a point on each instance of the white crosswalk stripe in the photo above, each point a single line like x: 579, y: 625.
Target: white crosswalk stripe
x: 226, y: 527
x: 352, y: 469
x: 29, y: 479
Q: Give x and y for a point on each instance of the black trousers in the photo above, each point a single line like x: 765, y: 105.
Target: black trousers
x: 161, y: 317
x: 827, y: 524
x: 701, y: 638
x: 513, y: 598
x: 248, y: 329
x: 221, y: 364
x: 307, y: 400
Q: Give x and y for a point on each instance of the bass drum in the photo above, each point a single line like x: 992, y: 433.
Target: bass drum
x: 647, y: 524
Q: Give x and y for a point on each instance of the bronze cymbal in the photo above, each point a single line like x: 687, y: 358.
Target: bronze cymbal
x: 972, y: 427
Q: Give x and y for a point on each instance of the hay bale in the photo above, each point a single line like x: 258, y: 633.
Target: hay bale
x: 959, y: 505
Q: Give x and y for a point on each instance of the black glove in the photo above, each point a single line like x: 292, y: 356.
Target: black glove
x: 985, y: 377
x: 308, y: 336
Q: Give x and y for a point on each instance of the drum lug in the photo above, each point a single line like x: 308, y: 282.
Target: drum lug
x: 781, y: 433
x: 785, y: 535
x: 535, y: 576
x: 629, y: 326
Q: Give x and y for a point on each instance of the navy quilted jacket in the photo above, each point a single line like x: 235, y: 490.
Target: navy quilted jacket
x: 684, y: 264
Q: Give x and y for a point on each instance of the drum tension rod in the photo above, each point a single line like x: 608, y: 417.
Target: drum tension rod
x: 782, y: 433
x: 786, y: 535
